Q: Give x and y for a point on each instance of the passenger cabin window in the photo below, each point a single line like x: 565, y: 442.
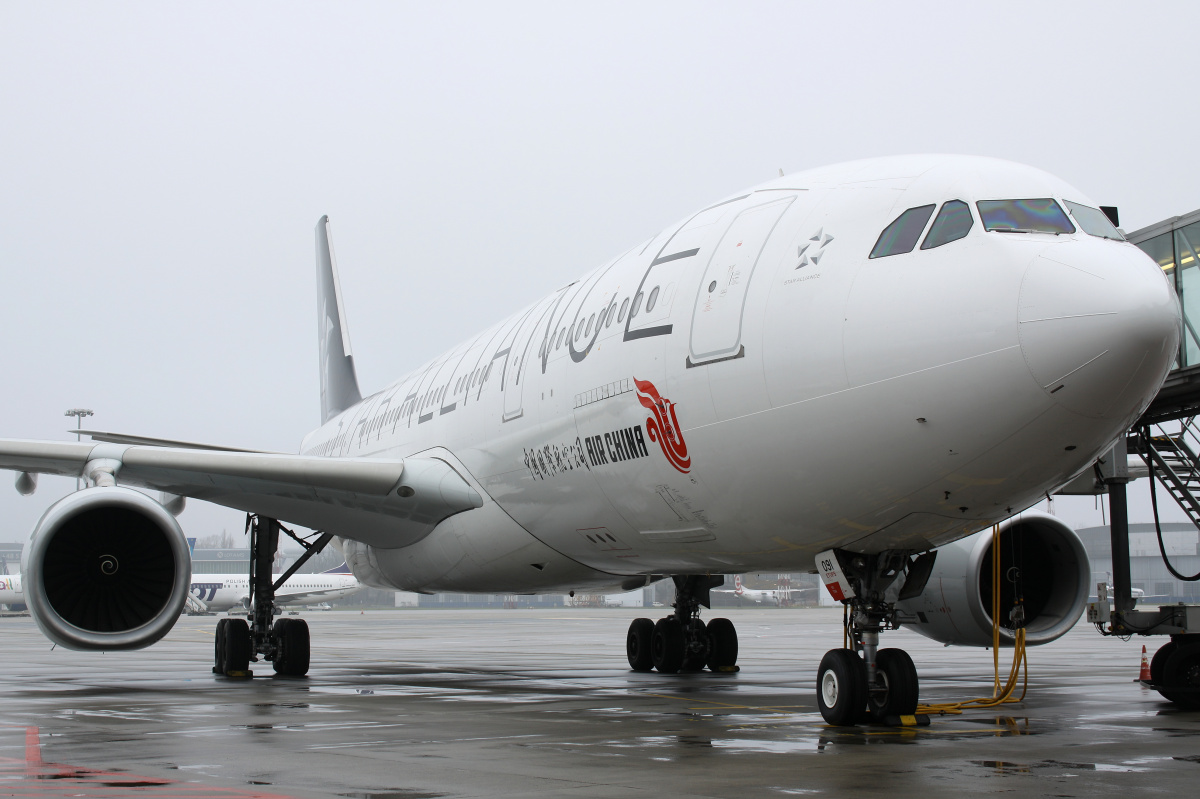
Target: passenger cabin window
x: 952, y: 223
x: 1093, y: 221
x: 901, y: 236
x: 1024, y: 216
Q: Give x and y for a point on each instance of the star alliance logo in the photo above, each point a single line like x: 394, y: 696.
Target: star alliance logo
x: 813, y: 250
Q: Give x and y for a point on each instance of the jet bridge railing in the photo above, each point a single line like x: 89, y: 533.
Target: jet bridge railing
x: 1170, y: 450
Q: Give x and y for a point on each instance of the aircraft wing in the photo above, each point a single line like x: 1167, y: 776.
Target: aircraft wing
x: 383, y: 503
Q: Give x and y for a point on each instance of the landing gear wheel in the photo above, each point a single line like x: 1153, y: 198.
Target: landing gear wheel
x: 723, y: 645
x: 696, y: 646
x: 842, y: 687
x: 219, y: 646
x: 292, y: 647
x: 637, y: 644
x: 666, y: 645
x: 1182, y: 670
x: 896, y: 695
x: 235, y: 643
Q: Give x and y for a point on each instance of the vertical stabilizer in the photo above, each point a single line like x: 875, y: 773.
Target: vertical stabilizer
x: 339, y: 383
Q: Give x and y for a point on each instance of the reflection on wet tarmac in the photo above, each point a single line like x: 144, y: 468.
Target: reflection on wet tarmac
x: 394, y: 710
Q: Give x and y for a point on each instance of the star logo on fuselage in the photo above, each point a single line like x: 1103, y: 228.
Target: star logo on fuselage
x: 813, y: 250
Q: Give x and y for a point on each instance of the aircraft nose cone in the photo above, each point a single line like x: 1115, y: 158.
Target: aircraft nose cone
x: 1098, y: 325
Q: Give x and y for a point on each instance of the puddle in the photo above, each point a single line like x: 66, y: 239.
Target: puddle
x: 766, y: 746
x: 1056, y: 765
x: 393, y: 794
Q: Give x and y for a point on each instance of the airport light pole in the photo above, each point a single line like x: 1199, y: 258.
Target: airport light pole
x: 78, y: 413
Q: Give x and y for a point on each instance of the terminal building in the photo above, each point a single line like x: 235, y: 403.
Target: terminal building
x: 1181, y: 541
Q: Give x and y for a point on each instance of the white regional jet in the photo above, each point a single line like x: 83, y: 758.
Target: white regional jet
x: 221, y: 592
x: 868, y: 362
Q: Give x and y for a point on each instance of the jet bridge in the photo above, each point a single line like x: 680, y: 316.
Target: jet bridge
x: 1167, y: 440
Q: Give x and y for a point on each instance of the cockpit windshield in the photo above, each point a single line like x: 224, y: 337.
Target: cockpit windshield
x: 901, y: 236
x: 1024, y: 216
x: 1094, y: 221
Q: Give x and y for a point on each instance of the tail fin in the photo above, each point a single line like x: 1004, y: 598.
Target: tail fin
x: 339, y: 383
x: 192, y: 545
x: 343, y: 569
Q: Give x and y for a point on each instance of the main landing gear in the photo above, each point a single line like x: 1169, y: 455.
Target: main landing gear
x: 866, y: 683
x: 286, y: 641
x: 681, y: 641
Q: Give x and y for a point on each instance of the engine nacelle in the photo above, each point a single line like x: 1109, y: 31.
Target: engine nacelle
x: 955, y: 607
x: 106, y: 568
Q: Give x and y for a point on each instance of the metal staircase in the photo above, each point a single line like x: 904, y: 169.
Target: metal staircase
x: 1173, y: 457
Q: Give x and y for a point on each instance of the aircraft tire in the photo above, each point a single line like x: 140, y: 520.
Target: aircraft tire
x: 219, y: 646
x: 637, y: 645
x: 238, y: 645
x: 723, y: 644
x: 666, y: 646
x: 292, y: 647
x: 895, y: 668
x: 842, y: 687
x: 1182, y: 670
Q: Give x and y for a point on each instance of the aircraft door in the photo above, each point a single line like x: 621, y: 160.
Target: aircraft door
x: 515, y: 368
x: 716, y: 333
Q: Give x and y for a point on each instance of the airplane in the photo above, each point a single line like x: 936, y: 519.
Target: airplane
x: 11, y: 592
x: 851, y: 370
x: 221, y: 592
x: 214, y: 593
x: 758, y: 596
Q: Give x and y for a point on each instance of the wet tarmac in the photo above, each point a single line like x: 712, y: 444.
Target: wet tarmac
x: 526, y: 703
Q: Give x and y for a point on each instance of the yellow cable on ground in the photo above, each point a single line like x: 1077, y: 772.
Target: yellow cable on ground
x: 1001, y: 694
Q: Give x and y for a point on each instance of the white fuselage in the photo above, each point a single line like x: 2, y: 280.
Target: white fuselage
x: 220, y: 592
x: 757, y: 596
x: 11, y: 591
x: 811, y: 397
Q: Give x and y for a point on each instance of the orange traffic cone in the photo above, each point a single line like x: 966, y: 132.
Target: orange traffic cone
x: 1144, y: 676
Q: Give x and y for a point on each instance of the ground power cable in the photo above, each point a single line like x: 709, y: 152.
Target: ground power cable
x: 1001, y: 694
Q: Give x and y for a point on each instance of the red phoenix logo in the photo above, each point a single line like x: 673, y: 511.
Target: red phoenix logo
x: 663, y: 427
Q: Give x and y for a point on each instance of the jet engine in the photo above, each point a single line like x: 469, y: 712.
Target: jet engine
x: 1040, y: 558
x: 107, y: 568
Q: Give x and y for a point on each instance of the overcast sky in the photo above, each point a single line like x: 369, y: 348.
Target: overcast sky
x: 162, y: 167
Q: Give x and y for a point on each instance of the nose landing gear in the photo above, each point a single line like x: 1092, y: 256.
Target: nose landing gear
x: 682, y: 641
x: 864, y: 682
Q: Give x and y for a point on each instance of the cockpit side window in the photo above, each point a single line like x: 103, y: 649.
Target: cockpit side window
x: 1093, y: 221
x: 901, y: 236
x: 953, y: 222
x: 1041, y: 215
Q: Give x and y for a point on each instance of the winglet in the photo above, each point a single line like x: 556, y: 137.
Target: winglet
x: 339, y: 383
x: 343, y: 569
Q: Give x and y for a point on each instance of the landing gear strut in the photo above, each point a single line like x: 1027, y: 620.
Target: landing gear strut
x: 286, y: 641
x: 681, y: 641
x: 866, y: 683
